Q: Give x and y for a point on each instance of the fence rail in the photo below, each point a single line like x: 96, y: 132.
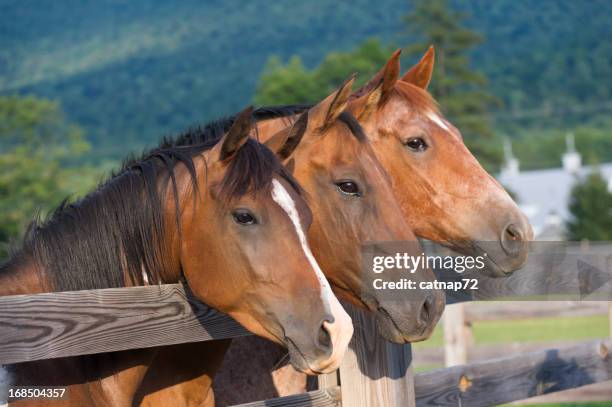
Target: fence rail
x: 374, y: 373
x: 319, y: 398
x: 515, y: 377
x: 52, y: 325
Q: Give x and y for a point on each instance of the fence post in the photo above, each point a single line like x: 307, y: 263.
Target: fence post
x: 375, y: 372
x: 455, y: 338
x: 328, y: 380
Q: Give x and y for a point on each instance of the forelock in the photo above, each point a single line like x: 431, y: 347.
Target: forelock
x: 251, y: 170
x: 419, y: 99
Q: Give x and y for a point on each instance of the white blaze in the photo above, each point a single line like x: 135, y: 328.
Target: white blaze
x: 437, y: 120
x: 283, y: 199
x: 341, y: 330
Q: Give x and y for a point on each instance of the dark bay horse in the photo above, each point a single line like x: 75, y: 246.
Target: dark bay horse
x: 222, y: 216
x: 352, y: 202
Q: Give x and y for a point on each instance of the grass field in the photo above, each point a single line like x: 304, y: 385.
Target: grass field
x: 531, y: 330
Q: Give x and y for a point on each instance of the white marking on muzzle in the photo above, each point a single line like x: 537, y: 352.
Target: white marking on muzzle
x: 437, y: 120
x: 5, y: 381
x: 341, y: 330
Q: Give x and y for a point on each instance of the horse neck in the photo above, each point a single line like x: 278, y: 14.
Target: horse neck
x: 26, y: 273
x: 22, y: 275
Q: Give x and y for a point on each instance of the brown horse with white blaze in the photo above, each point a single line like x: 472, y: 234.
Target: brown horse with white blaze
x: 223, y: 216
x: 352, y: 203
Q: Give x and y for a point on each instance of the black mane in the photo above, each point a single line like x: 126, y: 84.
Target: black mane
x: 214, y: 130
x: 352, y: 123
x: 119, y: 227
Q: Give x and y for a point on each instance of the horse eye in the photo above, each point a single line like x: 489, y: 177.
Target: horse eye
x: 416, y: 144
x: 244, y: 218
x: 348, y: 188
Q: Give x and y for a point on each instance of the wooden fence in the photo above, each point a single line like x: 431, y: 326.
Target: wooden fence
x: 374, y: 372
x: 460, y: 319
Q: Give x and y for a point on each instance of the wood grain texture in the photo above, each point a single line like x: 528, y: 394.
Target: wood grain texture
x: 319, y: 398
x: 516, y: 377
x: 44, y: 326
x: 375, y: 372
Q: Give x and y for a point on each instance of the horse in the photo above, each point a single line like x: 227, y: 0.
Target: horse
x: 444, y: 193
x: 352, y: 203
x: 220, y: 217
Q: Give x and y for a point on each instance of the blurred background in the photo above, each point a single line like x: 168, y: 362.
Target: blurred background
x: 529, y: 84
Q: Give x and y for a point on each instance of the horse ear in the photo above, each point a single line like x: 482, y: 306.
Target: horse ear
x: 420, y: 74
x: 389, y: 74
x: 367, y: 104
x: 327, y: 111
x: 285, y: 141
x: 237, y: 135
x: 369, y: 96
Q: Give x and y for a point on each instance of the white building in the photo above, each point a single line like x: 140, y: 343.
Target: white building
x: 544, y: 195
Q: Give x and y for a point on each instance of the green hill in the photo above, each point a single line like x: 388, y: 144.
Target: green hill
x: 130, y: 71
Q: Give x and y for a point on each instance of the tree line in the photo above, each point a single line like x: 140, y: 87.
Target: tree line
x: 44, y: 157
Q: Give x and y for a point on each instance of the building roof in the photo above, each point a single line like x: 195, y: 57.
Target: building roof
x: 543, y: 195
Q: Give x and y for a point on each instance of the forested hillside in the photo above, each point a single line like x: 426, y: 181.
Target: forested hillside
x: 129, y: 71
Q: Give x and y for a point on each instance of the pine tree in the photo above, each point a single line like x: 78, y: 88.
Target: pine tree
x: 285, y: 84
x: 39, y: 153
x: 591, y: 209
x: 293, y: 83
x: 460, y: 90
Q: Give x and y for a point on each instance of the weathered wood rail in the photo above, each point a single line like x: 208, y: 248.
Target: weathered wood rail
x: 487, y: 383
x: 320, y: 398
x: 374, y: 373
x: 44, y: 326
x: 515, y: 377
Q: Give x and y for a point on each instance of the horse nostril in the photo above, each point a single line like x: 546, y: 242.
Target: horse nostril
x: 324, y: 341
x: 513, y: 233
x: 512, y: 239
x: 427, y: 310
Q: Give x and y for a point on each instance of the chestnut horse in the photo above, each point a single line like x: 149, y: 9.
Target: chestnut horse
x: 222, y: 216
x: 352, y: 203
x: 444, y: 193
